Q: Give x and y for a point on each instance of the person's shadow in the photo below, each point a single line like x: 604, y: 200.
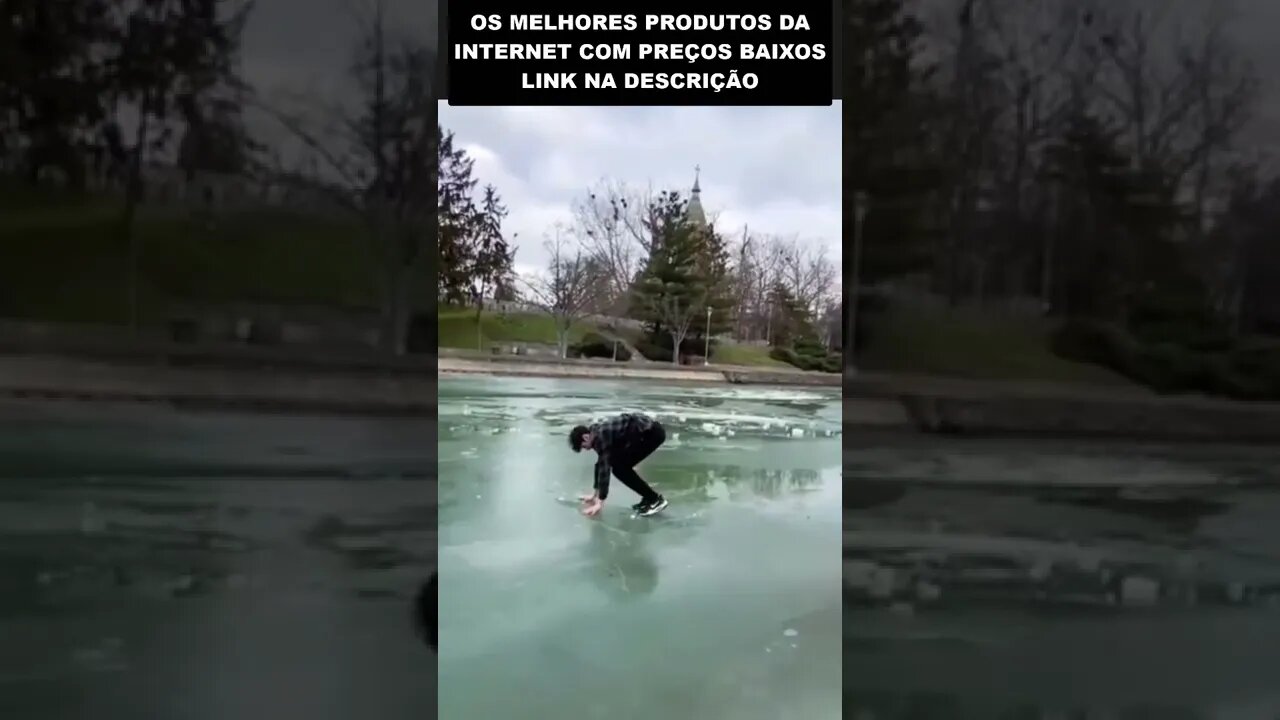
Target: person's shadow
x: 426, y: 611
x: 619, y: 561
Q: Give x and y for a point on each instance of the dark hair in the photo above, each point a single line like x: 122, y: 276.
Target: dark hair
x: 576, y: 435
x: 426, y: 610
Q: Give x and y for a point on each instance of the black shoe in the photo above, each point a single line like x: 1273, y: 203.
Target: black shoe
x: 638, y: 507
x: 652, y: 508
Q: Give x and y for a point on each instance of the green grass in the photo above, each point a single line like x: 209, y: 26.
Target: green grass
x: 65, y: 259
x: 747, y: 355
x: 458, y: 329
x: 970, y: 344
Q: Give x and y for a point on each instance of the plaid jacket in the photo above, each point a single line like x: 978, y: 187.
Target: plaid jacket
x: 610, y: 436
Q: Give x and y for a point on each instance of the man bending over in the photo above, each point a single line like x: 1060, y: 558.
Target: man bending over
x: 620, y: 444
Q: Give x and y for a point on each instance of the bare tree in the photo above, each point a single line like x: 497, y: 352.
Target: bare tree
x: 611, y: 222
x: 759, y: 268
x: 1181, y: 106
x: 807, y: 272
x: 1225, y: 90
x: 1033, y: 42
x: 378, y: 156
x: 675, y: 305
x: 742, y: 271
x: 762, y: 262
x: 566, y: 289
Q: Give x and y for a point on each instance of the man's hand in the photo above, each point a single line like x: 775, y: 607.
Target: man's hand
x: 587, y: 498
x: 592, y: 507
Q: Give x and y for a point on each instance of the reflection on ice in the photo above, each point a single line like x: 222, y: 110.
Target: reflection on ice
x: 979, y: 575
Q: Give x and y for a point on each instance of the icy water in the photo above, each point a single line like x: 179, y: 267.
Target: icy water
x: 726, y: 606
x: 1061, y: 580
x: 157, y: 564
x: 161, y: 564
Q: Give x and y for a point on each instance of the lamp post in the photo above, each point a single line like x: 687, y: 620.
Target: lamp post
x: 706, y: 340
x: 859, y: 213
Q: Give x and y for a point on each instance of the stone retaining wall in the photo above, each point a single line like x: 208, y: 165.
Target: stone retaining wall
x: 978, y: 410
x: 231, y: 388
x: 1170, y: 420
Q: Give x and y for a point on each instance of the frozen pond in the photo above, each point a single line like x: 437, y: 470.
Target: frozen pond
x: 156, y: 564
x: 725, y: 606
x: 989, y: 579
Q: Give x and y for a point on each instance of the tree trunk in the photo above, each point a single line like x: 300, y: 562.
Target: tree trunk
x: 397, y: 311
x: 562, y: 336
x: 480, y: 301
x: 1047, y: 250
x: 676, y: 340
x: 132, y: 197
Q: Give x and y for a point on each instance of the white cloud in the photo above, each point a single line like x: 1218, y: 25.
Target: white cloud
x: 775, y: 170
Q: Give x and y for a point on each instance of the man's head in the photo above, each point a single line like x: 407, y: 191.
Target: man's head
x: 580, y: 438
x: 426, y: 610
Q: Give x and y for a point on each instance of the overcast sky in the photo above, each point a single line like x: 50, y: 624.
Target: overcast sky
x: 775, y: 170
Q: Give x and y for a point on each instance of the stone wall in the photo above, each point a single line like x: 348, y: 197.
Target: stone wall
x: 1167, y: 420
x: 240, y: 388
x: 293, y: 379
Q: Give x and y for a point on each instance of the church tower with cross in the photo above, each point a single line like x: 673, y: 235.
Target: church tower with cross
x: 694, y: 212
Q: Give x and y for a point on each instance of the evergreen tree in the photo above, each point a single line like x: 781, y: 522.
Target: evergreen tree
x: 163, y: 56
x: 1118, y: 222
x: 672, y: 289
x: 53, y: 78
x: 455, y: 218
x: 888, y: 162
x: 491, y: 259
x: 714, y: 272
x: 475, y: 258
x: 789, y: 320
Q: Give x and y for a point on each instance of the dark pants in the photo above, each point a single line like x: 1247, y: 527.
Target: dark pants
x: 626, y: 458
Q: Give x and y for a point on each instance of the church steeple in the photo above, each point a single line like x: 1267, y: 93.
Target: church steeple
x: 694, y: 213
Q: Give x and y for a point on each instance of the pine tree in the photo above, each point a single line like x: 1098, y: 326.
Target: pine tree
x: 1118, y: 223
x: 887, y: 149
x: 672, y: 289
x: 789, y: 320
x: 491, y: 257
x: 718, y: 275
x: 455, y: 218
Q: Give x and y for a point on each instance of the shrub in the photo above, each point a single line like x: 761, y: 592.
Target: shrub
x: 659, y: 348
x: 422, y: 337
x: 1093, y: 342
x: 873, y: 308
x: 1258, y: 358
x: 1164, y: 367
x: 653, y: 351
x: 1250, y: 372
x: 595, y: 345
x: 784, y: 354
x: 1209, y: 363
x: 808, y: 356
x: 1180, y: 319
x: 1192, y: 336
x: 808, y: 346
x: 1229, y: 381
x: 1168, y: 368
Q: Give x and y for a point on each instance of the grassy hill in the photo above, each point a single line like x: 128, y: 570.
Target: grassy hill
x: 458, y: 329
x: 727, y: 353
x: 970, y: 344
x: 65, y: 259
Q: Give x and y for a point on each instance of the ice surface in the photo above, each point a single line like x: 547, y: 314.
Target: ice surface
x: 537, y: 597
